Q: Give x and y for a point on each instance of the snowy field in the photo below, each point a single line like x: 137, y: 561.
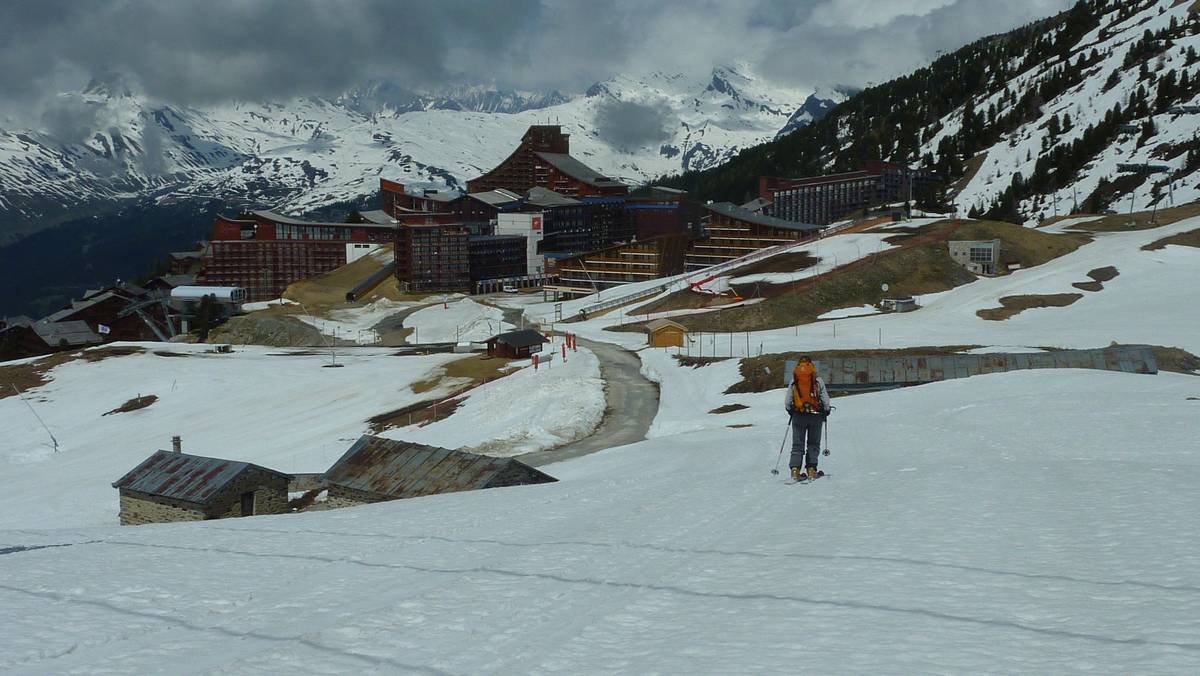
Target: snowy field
x: 271, y: 406
x: 560, y: 402
x: 968, y: 526
x: 458, y: 319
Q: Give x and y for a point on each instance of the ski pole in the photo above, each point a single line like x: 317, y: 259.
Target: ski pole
x: 785, y: 438
x: 827, y: 435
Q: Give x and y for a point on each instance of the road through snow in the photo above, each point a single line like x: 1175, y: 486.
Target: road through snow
x: 632, y: 402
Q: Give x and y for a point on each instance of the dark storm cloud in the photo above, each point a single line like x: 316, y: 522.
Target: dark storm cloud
x: 198, y: 51
x: 191, y: 51
x: 630, y: 124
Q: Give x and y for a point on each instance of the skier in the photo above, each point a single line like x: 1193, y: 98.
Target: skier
x: 808, y: 404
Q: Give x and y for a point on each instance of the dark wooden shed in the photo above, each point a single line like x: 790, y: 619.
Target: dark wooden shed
x: 515, y: 344
x: 377, y: 469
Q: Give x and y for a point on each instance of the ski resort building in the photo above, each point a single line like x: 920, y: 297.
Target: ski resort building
x: 176, y: 486
x: 663, y: 211
x: 22, y: 337
x: 543, y: 159
x: 827, y: 199
x: 433, y: 258
x: 264, y: 252
x: 732, y: 232
x: 637, y: 261
x: 980, y: 257
x: 375, y: 469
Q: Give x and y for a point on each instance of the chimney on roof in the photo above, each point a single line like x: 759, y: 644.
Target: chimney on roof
x: 176, y: 444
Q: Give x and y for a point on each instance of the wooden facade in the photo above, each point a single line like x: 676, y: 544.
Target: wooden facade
x: 731, y: 232
x: 636, y: 261
x: 543, y: 160
x: 665, y: 333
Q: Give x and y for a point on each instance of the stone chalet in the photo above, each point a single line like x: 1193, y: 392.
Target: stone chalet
x: 377, y: 469
x: 174, y: 486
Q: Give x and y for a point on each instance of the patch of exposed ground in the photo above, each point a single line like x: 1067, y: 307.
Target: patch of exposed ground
x: 1026, y: 246
x: 971, y: 168
x: 790, y: 262
x: 271, y: 328
x: 766, y: 372
x: 1099, y: 276
x: 466, y: 373
x: 698, y: 362
x: 33, y: 374
x: 728, y: 408
x: 1011, y: 306
x: 329, y: 290
x: 1176, y: 360
x: 134, y: 404
x: 685, y: 299
x: 1142, y: 220
x: 419, y: 413
x: 920, y: 264
x: 738, y: 427
x: 1190, y: 238
x: 305, y: 501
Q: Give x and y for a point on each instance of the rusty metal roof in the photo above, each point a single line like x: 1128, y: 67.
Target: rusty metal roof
x: 401, y: 469
x: 191, y: 478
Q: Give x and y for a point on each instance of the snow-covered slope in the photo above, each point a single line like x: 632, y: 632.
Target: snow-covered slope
x: 304, y: 153
x: 966, y: 527
x: 1158, y: 137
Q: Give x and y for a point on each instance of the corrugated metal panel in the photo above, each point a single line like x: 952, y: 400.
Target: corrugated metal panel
x: 179, y: 476
x: 399, y: 469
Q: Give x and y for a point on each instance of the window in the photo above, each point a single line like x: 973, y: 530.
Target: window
x: 979, y: 254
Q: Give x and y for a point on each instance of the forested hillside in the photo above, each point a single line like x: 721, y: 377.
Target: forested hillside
x: 1015, y: 121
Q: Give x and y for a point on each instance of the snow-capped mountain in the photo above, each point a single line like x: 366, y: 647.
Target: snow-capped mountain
x: 107, y: 142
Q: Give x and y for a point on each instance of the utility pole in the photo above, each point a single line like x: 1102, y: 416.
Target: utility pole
x: 39, y: 418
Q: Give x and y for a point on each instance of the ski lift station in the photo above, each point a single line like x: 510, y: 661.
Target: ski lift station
x: 187, y: 299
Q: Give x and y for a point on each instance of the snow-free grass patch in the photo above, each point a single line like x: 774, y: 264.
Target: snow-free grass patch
x: 134, y: 404
x: 33, y: 374
x: 1099, y: 276
x: 728, y: 408
x: 920, y: 265
x: 1012, y: 306
x: 1142, y: 220
x: 1191, y: 238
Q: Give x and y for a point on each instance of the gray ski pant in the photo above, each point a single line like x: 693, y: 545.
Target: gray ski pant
x: 806, y: 439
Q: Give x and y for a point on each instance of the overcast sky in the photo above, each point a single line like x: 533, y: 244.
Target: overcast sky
x: 200, y: 51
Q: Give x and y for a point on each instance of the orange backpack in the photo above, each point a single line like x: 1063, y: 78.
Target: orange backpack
x: 805, y: 398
